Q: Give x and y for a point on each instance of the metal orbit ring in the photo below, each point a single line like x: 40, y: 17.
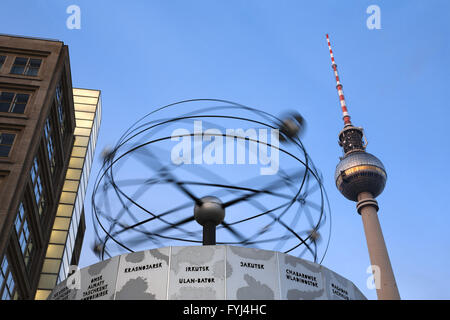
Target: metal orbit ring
x: 137, y: 222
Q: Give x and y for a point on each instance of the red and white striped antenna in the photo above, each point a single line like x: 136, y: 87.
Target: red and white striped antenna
x: 345, y: 114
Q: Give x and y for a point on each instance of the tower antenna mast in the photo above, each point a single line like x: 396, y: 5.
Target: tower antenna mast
x: 346, y: 116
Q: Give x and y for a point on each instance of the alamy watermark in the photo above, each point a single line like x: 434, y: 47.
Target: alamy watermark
x: 374, y: 20
x: 74, y: 278
x: 220, y: 148
x: 74, y: 20
x: 374, y: 280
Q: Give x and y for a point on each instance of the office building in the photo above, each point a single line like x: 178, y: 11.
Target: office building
x: 46, y: 148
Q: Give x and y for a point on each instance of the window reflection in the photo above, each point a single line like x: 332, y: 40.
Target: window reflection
x: 26, y: 66
x: 68, y: 197
x: 2, y: 61
x: 50, y: 146
x: 54, y: 251
x: 7, y: 284
x: 76, y: 162
x: 60, y: 108
x: 13, y: 102
x: 36, y: 183
x: 64, y: 210
x: 81, y: 141
x: 24, y: 235
x: 6, y: 142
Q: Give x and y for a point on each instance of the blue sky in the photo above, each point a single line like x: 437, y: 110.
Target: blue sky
x: 273, y: 55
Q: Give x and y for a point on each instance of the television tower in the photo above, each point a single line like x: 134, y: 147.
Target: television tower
x: 361, y: 177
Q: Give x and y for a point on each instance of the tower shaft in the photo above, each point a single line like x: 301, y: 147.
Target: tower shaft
x: 386, y: 285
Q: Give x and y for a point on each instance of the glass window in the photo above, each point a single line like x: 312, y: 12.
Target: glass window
x: 61, y: 118
x: 59, y: 93
x: 85, y: 100
x: 72, y: 239
x: 76, y: 162
x: 86, y: 93
x: 26, y: 66
x: 84, y: 115
x: 7, y: 284
x: 73, y: 174
x: 24, y: 235
x: 84, y: 107
x: 12, y: 102
x: 19, y: 65
x: 82, y: 132
x: 51, y: 266
x: 84, y: 123
x: 64, y: 210
x: 69, y: 242
x: 2, y: 61
x: 36, y: 182
x: 50, y: 146
x: 42, y: 294
x: 54, y: 251
x: 6, y: 99
x: 6, y: 142
x: 61, y: 223
x: 79, y: 152
x: 67, y: 258
x: 20, y: 103
x: 67, y: 197
x: 47, y: 281
x: 58, y: 236
x: 60, y: 107
x: 81, y: 141
x: 70, y: 185
x: 33, y: 67
x: 62, y: 274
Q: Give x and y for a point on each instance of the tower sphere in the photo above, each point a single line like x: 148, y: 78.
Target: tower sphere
x: 209, y: 211
x: 358, y: 172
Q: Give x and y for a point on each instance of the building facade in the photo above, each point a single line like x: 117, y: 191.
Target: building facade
x: 37, y: 141
x: 67, y: 233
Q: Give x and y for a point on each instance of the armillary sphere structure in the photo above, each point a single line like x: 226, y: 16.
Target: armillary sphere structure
x: 210, y: 171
